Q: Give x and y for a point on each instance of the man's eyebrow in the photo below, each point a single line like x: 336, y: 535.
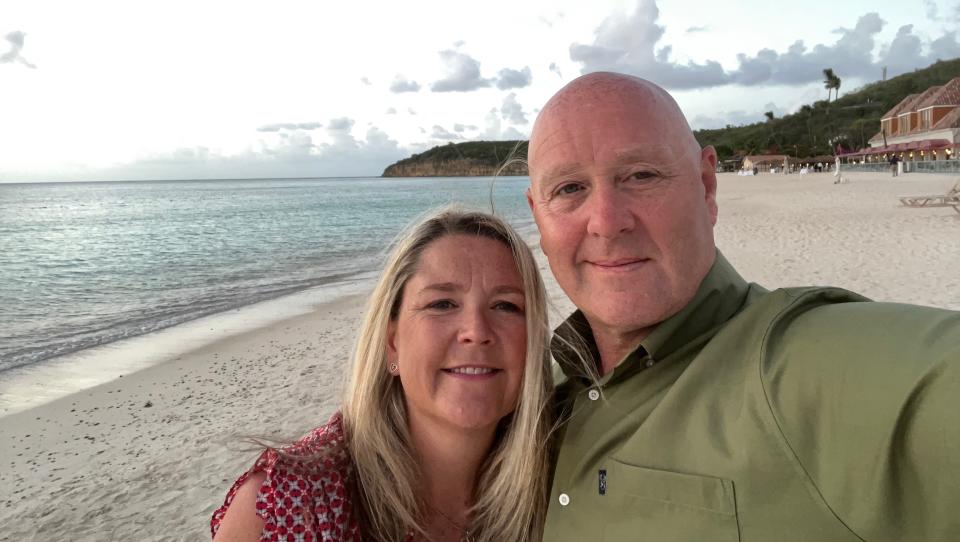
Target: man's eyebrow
x: 561, y: 170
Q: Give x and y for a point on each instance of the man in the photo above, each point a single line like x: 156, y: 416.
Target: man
x: 718, y: 410
x: 894, y: 161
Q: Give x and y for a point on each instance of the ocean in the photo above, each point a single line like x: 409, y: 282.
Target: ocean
x: 87, y: 264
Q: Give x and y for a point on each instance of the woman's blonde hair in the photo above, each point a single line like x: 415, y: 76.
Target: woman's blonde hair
x: 511, y: 493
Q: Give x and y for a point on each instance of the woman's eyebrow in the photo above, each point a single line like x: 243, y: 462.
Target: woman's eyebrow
x: 442, y: 287
x: 505, y: 289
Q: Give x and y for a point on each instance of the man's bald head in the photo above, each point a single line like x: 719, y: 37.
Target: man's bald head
x: 610, y: 95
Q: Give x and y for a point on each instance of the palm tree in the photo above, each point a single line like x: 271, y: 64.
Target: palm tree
x: 836, y: 87
x: 769, y: 115
x: 828, y: 78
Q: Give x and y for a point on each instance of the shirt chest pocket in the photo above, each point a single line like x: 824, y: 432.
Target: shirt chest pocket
x: 650, y: 504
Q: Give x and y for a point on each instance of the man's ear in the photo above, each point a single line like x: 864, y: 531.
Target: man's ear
x: 708, y: 175
x: 529, y: 199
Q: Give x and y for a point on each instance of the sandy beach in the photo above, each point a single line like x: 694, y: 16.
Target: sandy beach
x: 149, y: 455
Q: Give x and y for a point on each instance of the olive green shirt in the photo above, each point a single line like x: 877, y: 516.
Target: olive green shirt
x: 807, y: 414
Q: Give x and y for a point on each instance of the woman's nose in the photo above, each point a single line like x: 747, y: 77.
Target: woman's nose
x: 475, y: 328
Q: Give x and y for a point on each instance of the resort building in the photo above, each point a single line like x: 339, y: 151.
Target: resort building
x: 765, y: 162
x: 922, y: 127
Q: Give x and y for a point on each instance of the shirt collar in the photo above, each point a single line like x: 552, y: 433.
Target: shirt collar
x: 721, y: 295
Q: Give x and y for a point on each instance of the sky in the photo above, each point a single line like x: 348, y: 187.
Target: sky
x: 136, y: 90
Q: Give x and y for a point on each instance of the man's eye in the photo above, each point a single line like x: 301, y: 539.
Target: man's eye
x: 569, y: 188
x: 641, y: 175
x: 441, y: 304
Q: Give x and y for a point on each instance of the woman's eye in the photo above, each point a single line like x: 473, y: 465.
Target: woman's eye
x: 441, y: 304
x: 507, y: 306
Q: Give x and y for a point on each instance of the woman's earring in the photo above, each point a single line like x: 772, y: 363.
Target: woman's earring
x: 393, y: 368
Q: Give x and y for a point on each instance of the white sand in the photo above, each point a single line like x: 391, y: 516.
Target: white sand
x: 101, y: 465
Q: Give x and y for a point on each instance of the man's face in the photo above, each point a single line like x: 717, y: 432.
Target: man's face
x: 625, y: 204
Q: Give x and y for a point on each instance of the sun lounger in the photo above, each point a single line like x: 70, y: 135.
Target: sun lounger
x: 950, y: 199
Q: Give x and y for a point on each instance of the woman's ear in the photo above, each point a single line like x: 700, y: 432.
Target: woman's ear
x: 393, y: 355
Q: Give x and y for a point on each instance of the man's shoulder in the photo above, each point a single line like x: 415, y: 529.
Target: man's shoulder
x: 832, y: 351
x: 823, y: 331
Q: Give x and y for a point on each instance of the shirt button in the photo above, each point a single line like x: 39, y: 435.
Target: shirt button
x: 593, y: 395
x: 564, y: 499
x: 650, y: 363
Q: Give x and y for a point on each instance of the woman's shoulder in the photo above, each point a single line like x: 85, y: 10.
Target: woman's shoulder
x: 306, y: 488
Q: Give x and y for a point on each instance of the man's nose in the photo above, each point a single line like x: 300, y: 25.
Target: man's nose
x: 609, y: 211
x: 475, y: 328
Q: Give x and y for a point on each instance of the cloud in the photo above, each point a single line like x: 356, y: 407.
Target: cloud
x: 391, y: 111
x: 735, y: 118
x: 508, y: 78
x: 550, y: 21
x: 626, y: 44
x: 463, y: 127
x: 512, y: 133
x: 289, y: 126
x: 512, y: 110
x: 411, y: 111
x: 297, y: 155
x: 556, y: 69
x: 463, y: 73
x: 630, y: 43
x: 439, y: 132
x: 401, y: 84
x: 365, y: 81
x: 695, y: 29
x: 458, y: 44
x: 341, y: 124
x: 15, y: 39
x: 931, y: 9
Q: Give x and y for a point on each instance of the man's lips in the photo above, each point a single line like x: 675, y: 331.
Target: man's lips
x: 619, y: 263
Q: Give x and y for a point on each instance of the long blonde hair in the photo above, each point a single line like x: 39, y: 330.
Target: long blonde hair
x: 510, y: 499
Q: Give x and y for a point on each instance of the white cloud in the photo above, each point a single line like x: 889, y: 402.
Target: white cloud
x: 439, y: 132
x: 556, y: 69
x: 15, y: 39
x: 735, y: 118
x: 508, y: 78
x: 463, y: 73
x: 401, y: 84
x: 630, y: 43
x: 626, y: 43
x: 289, y: 126
x: 512, y: 110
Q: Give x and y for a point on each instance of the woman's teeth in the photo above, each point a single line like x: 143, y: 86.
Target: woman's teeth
x: 471, y: 370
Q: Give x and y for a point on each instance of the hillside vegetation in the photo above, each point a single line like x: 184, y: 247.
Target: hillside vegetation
x: 469, y: 159
x: 848, y: 121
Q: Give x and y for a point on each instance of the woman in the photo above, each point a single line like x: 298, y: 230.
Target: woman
x: 443, y: 430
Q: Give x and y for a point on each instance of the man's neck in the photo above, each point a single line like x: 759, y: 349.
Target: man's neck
x: 615, y: 345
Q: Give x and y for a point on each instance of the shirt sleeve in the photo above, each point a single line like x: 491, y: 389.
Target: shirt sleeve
x: 866, y: 397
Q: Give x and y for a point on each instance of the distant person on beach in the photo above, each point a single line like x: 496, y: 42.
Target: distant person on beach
x: 894, y: 168
x: 443, y: 430
x: 719, y: 410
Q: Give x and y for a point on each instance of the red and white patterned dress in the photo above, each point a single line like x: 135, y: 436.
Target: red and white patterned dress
x: 304, y: 501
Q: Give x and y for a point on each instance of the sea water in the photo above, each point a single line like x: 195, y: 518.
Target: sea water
x: 87, y: 264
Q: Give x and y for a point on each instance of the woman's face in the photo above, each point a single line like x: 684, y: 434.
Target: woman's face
x: 460, y: 336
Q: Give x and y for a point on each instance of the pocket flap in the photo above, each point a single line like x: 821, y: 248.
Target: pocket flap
x: 690, y: 490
